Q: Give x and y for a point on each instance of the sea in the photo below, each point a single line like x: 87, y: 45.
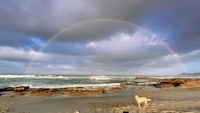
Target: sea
x: 62, y: 81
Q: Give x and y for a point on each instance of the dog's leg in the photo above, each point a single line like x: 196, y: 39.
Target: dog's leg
x: 146, y: 104
x: 139, y: 105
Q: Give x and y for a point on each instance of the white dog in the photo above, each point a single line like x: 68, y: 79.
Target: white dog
x: 142, y: 100
x: 76, y: 112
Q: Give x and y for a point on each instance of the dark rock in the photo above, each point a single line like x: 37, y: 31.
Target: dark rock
x: 18, y: 88
x: 21, y: 88
x: 43, y: 92
x: 178, y: 82
x: 25, y: 90
x: 9, y: 89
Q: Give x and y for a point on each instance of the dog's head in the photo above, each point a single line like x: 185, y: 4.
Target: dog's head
x: 136, y: 96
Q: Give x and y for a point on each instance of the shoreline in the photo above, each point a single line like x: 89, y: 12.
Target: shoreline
x: 174, y: 100
x: 92, y: 89
x: 10, y: 92
x: 166, y: 99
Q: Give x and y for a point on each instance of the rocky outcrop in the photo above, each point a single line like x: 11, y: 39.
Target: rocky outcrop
x: 73, y: 91
x: 43, y: 92
x: 178, y: 82
x: 25, y: 90
x: 191, y: 84
x: 21, y: 88
x: 84, y: 92
x: 18, y: 88
x: 11, y: 95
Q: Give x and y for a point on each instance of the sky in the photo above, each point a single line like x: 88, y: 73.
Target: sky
x: 117, y: 37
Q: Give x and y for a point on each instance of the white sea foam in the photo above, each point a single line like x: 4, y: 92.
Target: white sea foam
x: 76, y: 85
x: 148, y: 83
x: 34, y: 76
x: 94, y: 77
x: 17, y: 76
x: 99, y: 77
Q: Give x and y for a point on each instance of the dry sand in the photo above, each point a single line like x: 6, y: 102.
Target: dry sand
x: 173, y: 100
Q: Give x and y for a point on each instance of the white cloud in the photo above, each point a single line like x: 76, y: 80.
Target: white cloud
x: 124, y: 47
x: 14, y: 53
x: 192, y: 56
x: 174, y: 61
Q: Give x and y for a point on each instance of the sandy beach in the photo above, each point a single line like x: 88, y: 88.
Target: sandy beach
x: 170, y: 100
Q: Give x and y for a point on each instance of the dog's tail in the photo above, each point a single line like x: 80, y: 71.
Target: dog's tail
x: 148, y: 99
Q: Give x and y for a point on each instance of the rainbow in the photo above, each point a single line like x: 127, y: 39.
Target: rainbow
x: 56, y: 35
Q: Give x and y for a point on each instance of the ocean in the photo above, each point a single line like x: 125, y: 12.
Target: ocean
x: 61, y: 81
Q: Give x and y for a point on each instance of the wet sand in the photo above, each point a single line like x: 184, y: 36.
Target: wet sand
x: 171, y: 100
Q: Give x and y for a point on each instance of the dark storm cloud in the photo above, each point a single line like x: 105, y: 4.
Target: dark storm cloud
x: 96, y: 29
x: 85, y: 33
x: 46, y: 18
x: 177, y: 22
x: 41, y: 18
x: 19, y: 40
x: 13, y: 39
